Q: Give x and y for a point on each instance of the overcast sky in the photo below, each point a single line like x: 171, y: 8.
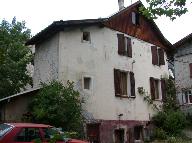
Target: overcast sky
x: 38, y: 14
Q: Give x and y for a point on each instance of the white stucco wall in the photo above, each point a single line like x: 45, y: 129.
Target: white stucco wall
x: 46, y: 61
x: 98, y: 59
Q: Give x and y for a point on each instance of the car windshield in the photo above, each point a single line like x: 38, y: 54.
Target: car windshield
x: 4, y: 128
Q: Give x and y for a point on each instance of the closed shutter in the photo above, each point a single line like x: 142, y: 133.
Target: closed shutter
x: 121, y: 44
x: 129, y: 47
x: 161, y: 57
x: 130, y: 135
x: 117, y: 82
x: 190, y: 69
x: 152, y: 86
x: 132, y: 81
x: 163, y: 89
x: 154, y: 55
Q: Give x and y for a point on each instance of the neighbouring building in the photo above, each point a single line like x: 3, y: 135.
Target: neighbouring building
x: 108, y: 59
x: 183, y: 72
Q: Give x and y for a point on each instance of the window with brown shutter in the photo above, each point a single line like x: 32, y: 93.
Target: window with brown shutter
x: 190, y: 69
x: 154, y: 55
x: 124, y: 45
x: 161, y: 56
x: 129, y: 47
x: 120, y: 82
x: 132, y: 81
x: 154, y: 87
x: 121, y: 44
x: 117, y: 82
x: 163, y: 89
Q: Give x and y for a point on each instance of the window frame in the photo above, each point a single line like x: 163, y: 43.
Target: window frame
x: 89, y: 37
x: 91, y: 82
x: 188, y: 101
x: 130, y: 88
x: 23, y: 129
x: 124, y: 45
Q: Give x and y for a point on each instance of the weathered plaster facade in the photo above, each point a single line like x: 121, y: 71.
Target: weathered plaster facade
x: 183, y: 58
x: 74, y: 59
x: 46, y: 61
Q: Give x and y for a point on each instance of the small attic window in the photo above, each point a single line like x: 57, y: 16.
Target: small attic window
x: 135, y: 18
x: 86, y: 37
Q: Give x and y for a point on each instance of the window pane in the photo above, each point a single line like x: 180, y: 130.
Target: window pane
x: 4, y: 128
x: 87, y: 83
x: 28, y: 135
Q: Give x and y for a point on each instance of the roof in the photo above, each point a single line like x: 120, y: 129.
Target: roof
x: 28, y: 125
x: 19, y: 94
x: 57, y: 26
x: 183, y: 41
x: 61, y: 25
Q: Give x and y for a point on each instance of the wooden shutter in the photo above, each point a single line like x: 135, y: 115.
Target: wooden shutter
x: 132, y: 81
x: 121, y: 44
x: 154, y: 55
x: 117, y: 82
x: 161, y: 57
x: 130, y: 135
x: 190, y: 69
x: 163, y: 89
x: 129, y: 47
x: 152, y: 86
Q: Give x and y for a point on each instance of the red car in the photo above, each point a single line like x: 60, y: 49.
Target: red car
x: 29, y: 132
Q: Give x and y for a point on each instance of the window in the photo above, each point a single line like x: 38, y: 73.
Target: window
x: 157, y: 56
x: 4, y: 128
x: 157, y: 86
x: 119, y: 136
x: 135, y: 18
x: 28, y: 135
x: 190, y: 70
x: 87, y: 83
x: 86, y: 37
x: 187, y: 96
x: 121, y: 83
x: 124, y: 45
x: 138, y: 133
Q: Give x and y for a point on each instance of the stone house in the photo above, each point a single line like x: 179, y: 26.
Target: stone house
x: 108, y: 59
x: 183, y: 72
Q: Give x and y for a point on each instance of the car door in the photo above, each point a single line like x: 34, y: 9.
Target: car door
x: 47, y: 134
x: 27, y: 135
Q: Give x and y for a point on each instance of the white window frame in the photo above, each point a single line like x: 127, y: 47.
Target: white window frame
x: 91, y: 82
x: 189, y: 93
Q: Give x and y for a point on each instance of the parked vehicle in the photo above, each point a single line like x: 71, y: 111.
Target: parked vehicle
x: 29, y: 133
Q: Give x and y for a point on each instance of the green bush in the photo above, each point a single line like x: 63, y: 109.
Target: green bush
x: 59, y: 106
x: 172, y: 122
x: 160, y: 134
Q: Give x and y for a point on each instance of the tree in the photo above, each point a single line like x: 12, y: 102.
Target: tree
x: 169, y: 8
x: 14, y: 57
x: 170, y: 119
x: 58, y: 105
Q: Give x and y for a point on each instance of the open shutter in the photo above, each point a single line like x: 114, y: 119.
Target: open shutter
x: 161, y: 57
x: 121, y: 44
x: 152, y: 86
x: 154, y: 55
x: 129, y: 47
x: 163, y: 89
x: 190, y: 69
x: 132, y: 81
x: 117, y: 82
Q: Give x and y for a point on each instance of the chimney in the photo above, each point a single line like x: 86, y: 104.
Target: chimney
x: 121, y: 4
